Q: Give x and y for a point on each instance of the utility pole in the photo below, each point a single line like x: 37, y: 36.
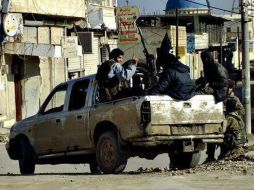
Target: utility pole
x: 238, y: 48
x: 221, y: 44
x: 246, y: 65
x: 127, y: 3
x: 177, y: 30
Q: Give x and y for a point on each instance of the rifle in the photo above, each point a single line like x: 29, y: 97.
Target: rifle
x: 149, y: 57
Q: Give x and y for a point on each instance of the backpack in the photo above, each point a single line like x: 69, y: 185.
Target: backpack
x: 102, y: 75
x: 106, y: 84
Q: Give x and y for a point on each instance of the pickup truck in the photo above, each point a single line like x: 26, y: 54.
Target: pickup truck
x: 73, y: 126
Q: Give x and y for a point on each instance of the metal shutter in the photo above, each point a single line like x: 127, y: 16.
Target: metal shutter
x: 91, y: 56
x: 92, y: 60
x: 75, y: 64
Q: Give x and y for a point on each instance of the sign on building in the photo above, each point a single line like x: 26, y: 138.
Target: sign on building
x: 61, y: 8
x: 197, y: 42
x: 99, y: 16
x: 128, y: 32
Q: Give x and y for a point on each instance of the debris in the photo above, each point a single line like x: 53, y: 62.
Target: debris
x: 239, y: 161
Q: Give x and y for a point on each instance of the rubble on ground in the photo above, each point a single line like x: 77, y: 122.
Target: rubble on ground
x: 3, y: 138
x: 239, y: 161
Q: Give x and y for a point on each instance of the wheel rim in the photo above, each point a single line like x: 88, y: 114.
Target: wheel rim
x: 108, y: 157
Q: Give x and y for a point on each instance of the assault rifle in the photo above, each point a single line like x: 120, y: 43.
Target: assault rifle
x: 150, y: 59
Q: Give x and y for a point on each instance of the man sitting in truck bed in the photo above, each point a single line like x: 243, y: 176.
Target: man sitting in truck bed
x: 175, y: 80
x: 111, y: 75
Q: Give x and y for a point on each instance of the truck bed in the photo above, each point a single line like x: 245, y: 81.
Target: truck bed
x: 201, y: 109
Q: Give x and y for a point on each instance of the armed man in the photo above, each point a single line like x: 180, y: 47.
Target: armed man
x: 175, y: 78
x: 112, y: 77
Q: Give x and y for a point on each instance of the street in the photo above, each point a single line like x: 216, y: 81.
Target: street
x: 222, y: 175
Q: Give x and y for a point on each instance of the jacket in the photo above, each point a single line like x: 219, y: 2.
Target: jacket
x: 216, y: 76
x: 110, y: 75
x: 175, y: 82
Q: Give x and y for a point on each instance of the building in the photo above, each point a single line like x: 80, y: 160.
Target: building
x: 233, y: 35
x: 202, y: 30
x: 96, y: 39
x: 44, y: 43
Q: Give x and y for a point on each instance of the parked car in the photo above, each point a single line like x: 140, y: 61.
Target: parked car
x: 73, y: 126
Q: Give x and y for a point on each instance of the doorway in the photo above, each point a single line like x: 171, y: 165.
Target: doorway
x: 17, y: 71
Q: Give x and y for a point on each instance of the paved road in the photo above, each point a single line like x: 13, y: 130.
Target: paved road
x: 64, y: 177
x: 161, y: 161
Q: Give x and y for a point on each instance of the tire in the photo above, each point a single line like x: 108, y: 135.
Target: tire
x: 110, y: 158
x: 94, y: 168
x: 26, y: 158
x: 184, y: 160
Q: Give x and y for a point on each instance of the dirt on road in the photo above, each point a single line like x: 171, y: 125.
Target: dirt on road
x: 235, y: 172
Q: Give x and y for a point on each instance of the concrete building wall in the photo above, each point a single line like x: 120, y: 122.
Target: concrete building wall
x: 52, y: 72
x: 3, y: 95
x: 10, y: 111
x: 30, y: 86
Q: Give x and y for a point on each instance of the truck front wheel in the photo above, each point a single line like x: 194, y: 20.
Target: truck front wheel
x: 26, y: 158
x: 184, y: 160
x: 94, y: 168
x: 109, y: 156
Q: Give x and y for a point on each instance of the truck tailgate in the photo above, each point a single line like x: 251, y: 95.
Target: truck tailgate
x: 199, y: 109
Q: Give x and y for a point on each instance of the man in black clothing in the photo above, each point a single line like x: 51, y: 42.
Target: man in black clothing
x: 233, y: 72
x: 215, y: 80
x: 175, y: 80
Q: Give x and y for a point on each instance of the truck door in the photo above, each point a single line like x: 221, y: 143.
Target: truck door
x: 77, y: 118
x: 48, y: 127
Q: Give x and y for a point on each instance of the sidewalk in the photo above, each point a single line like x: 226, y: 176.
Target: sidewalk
x: 251, y: 139
x: 4, y: 133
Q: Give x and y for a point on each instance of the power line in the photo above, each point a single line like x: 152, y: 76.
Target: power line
x: 225, y: 10
x: 217, y: 8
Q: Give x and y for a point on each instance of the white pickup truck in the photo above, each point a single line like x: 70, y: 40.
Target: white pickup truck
x: 72, y: 126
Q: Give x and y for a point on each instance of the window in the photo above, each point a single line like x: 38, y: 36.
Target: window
x: 86, y: 40
x: 228, y: 29
x: 78, y: 95
x: 98, y: 2
x: 55, y: 103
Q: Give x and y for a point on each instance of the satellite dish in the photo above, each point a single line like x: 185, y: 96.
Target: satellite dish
x: 10, y: 24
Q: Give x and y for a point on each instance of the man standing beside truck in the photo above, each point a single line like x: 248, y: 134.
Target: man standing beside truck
x: 215, y: 80
x: 235, y: 135
x: 112, y: 76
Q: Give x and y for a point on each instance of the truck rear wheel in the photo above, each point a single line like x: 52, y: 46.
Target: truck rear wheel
x: 26, y: 158
x: 184, y: 160
x: 109, y: 156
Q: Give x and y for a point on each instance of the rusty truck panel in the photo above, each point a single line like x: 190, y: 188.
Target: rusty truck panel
x: 124, y: 115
